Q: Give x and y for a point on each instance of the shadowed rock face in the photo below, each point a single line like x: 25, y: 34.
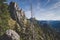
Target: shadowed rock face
x: 15, y: 12
x: 11, y: 10
x: 10, y: 35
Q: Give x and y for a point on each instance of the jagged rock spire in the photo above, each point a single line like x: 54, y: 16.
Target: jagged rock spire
x: 16, y: 13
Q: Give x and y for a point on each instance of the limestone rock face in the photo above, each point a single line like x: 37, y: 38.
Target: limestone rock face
x: 15, y: 12
x: 11, y: 35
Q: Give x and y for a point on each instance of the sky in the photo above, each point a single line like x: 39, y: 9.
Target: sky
x: 42, y: 9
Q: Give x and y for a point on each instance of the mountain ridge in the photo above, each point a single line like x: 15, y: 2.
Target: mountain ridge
x: 53, y: 24
x: 28, y: 29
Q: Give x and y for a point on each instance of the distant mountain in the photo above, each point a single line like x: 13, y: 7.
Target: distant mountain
x: 54, y: 24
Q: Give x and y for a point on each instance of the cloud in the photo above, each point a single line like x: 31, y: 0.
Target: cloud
x: 47, y: 2
x: 28, y: 14
x: 47, y: 16
x: 56, y: 5
x: 44, y: 14
x: 41, y: 14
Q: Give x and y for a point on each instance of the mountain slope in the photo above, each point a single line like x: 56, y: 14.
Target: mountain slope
x: 29, y: 29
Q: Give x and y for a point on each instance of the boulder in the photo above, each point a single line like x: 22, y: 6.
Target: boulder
x: 11, y: 35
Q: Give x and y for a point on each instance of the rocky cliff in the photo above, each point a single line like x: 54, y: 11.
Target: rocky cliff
x: 31, y: 30
x: 28, y: 29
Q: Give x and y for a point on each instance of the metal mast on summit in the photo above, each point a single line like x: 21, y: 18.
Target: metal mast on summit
x: 31, y: 11
x: 32, y: 26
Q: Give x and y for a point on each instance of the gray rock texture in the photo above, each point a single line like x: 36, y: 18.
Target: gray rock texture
x: 10, y: 35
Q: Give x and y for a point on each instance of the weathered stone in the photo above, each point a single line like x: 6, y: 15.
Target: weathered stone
x: 11, y: 35
x: 15, y: 12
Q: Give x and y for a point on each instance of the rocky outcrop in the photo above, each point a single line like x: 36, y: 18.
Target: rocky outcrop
x: 19, y: 28
x: 33, y: 31
x: 17, y: 14
x: 10, y: 35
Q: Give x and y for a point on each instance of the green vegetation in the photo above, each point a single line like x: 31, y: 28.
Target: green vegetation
x: 24, y: 29
x: 4, y: 16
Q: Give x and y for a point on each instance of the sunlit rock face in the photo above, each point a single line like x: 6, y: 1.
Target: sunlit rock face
x: 11, y: 35
x: 15, y: 12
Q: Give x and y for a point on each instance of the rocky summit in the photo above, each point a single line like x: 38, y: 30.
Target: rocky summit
x: 18, y: 27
